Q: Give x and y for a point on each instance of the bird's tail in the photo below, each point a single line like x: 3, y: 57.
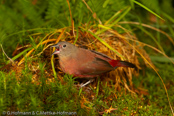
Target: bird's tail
x: 118, y: 63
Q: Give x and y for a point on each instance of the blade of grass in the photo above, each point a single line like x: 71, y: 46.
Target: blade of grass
x: 97, y: 90
x: 132, y: 4
x: 52, y: 65
x: 161, y: 59
x: 33, y: 43
x: 138, y: 3
x: 150, y: 35
x: 72, y: 22
x: 77, y: 33
x: 143, y: 44
x: 113, y: 17
x: 115, y: 22
x: 93, y: 14
x: 29, y: 30
x: 20, y: 54
x: 170, y: 28
x: 80, y: 91
x: 32, y: 49
x: 105, y: 3
x: 168, y: 17
x: 107, y: 45
x: 43, y: 42
x: 122, y: 16
x: 148, y: 26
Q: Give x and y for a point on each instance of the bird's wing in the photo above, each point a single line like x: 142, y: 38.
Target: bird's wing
x: 94, y: 65
x: 100, y: 54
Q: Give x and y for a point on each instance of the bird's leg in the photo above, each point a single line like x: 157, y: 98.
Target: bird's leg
x: 88, y: 82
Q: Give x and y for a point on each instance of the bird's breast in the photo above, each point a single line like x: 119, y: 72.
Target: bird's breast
x: 69, y: 66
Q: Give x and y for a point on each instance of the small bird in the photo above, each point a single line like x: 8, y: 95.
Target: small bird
x: 84, y: 63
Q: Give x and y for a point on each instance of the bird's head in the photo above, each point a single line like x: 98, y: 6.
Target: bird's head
x: 64, y: 49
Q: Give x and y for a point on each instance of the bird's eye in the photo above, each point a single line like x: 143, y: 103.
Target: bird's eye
x: 64, y: 46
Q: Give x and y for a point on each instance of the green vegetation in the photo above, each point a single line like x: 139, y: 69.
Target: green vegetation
x: 34, y: 83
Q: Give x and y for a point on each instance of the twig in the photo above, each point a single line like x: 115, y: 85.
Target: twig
x: 6, y: 54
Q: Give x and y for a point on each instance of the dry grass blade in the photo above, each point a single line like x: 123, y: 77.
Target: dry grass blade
x: 42, y: 43
x: 151, y: 27
x: 93, y: 14
x: 143, y: 44
x: 72, y: 22
x: 28, y: 54
x: 7, y: 55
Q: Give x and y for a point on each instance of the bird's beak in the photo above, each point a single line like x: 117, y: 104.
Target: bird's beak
x: 54, y: 45
x: 55, y: 52
x: 57, y: 49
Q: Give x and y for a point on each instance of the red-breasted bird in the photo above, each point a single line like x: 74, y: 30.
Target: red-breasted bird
x: 84, y: 63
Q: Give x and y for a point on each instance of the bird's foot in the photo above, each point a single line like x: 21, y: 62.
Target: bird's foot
x: 88, y: 82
